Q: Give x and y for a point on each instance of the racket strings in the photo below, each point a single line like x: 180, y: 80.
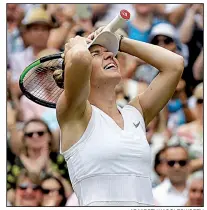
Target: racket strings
x: 40, y: 83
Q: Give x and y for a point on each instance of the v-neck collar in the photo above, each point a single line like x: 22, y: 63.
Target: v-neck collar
x: 118, y: 128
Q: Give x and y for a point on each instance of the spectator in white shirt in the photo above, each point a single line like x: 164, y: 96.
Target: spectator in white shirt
x: 173, y: 190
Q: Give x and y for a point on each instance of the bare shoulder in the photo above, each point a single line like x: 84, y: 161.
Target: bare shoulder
x: 73, y: 121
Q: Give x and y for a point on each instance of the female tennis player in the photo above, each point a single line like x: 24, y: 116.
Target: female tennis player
x: 105, y: 147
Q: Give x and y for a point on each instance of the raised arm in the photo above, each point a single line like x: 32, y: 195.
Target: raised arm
x: 76, y: 77
x: 161, y: 89
x: 186, y: 29
x: 198, y: 66
x: 176, y: 15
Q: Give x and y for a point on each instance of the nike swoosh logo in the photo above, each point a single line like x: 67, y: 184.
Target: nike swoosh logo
x: 136, y: 125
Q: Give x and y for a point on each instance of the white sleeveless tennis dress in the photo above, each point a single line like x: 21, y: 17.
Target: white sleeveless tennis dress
x: 109, y: 166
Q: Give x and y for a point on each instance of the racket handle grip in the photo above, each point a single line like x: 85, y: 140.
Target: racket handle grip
x: 118, y: 21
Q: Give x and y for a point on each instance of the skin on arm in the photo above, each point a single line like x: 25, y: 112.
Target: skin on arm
x: 177, y: 15
x: 73, y: 108
x: 161, y: 89
x: 66, y: 24
x: 198, y: 67
x: 196, y: 164
x: 186, y: 29
x: 55, y: 40
x: 15, y: 141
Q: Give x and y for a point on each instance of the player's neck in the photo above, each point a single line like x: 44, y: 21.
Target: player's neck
x: 104, y: 100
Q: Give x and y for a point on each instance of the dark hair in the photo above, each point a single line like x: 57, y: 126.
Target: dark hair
x: 62, y: 189
x: 157, y: 160
x: 37, y: 120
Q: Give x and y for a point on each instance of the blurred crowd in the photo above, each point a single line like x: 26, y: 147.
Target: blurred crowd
x: 37, y: 174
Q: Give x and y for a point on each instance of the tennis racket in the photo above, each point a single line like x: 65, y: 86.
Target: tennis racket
x: 36, y: 81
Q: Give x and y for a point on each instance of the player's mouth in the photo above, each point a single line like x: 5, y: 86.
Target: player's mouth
x: 110, y: 66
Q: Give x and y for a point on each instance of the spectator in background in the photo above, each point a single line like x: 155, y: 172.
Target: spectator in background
x: 14, y: 16
x: 191, y: 134
x: 37, y: 152
x: 28, y: 191
x: 37, y: 24
x: 63, y: 16
x: 191, y: 34
x: 73, y: 19
x: 178, y: 109
x: 53, y: 192
x: 195, y: 194
x: 173, y: 190
x: 140, y: 26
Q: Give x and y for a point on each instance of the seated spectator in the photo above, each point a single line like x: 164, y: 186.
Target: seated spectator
x: 173, y: 190
x: 37, y: 25
x: 195, y: 194
x: 191, y: 134
x: 53, y: 192
x: 28, y: 191
x: 37, y: 152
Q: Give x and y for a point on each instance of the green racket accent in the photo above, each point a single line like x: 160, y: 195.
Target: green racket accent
x: 37, y: 82
x: 32, y: 65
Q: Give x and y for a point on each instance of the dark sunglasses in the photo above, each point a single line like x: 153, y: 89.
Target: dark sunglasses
x: 47, y: 191
x: 166, y: 40
x: 24, y: 186
x: 199, y: 101
x: 182, y: 163
x: 30, y: 134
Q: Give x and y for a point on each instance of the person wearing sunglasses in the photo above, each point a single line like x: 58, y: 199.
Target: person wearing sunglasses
x: 173, y: 190
x: 38, y: 154
x: 53, y: 191
x: 28, y: 192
